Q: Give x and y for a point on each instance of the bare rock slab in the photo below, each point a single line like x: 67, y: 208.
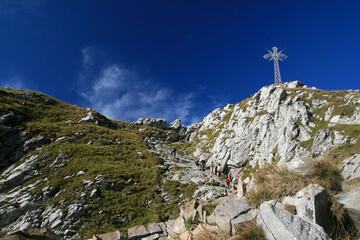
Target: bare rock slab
x: 351, y: 203
x: 154, y: 228
x: 243, y: 218
x: 279, y: 224
x: 312, y: 204
x: 138, y: 232
x: 226, y: 211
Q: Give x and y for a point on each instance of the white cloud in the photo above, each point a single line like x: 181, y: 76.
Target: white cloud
x: 16, y: 83
x: 121, y: 94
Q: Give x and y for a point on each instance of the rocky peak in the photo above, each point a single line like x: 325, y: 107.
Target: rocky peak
x: 287, y: 123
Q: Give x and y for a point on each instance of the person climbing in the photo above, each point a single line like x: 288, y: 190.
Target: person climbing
x: 197, y: 162
x: 211, y: 167
x: 235, y: 182
x: 202, y: 163
x: 218, y: 170
x: 173, y: 153
x: 227, y: 182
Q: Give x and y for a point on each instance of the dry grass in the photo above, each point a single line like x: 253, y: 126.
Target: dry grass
x: 249, y: 231
x: 327, y: 173
x: 273, y: 182
x: 211, y: 233
x: 290, y: 208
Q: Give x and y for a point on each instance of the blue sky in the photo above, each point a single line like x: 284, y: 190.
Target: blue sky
x: 173, y: 59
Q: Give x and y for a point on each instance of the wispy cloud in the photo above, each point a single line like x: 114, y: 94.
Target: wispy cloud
x: 15, y: 8
x: 120, y: 93
x: 16, y: 82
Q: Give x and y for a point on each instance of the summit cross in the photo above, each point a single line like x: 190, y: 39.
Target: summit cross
x: 276, y: 56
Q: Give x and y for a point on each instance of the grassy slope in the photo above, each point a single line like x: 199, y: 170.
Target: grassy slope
x: 117, y: 152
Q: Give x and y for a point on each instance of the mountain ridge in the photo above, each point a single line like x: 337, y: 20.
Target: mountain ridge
x: 79, y: 173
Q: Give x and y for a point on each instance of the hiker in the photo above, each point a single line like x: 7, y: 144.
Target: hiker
x: 229, y: 175
x: 202, y: 162
x: 197, y: 162
x: 218, y: 170
x: 173, y: 153
x: 235, y: 182
x: 228, y: 182
x: 211, y: 167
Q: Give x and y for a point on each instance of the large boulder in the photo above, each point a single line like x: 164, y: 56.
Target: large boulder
x: 294, y: 84
x: 351, y: 203
x: 242, y: 219
x: 176, y: 125
x: 279, y: 224
x: 312, y: 204
x: 137, y: 232
x: 227, y: 211
x: 153, y: 122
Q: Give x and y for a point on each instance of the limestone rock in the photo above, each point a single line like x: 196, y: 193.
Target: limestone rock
x: 312, y: 204
x: 170, y: 227
x: 116, y: 235
x: 176, y: 125
x: 75, y: 210
x: 351, y: 167
x: 226, y: 211
x: 185, y: 235
x: 137, y: 232
x: 188, y: 210
x: 154, y: 228
x: 351, y: 203
x: 179, y: 226
x: 279, y: 224
x: 294, y: 84
x: 272, y: 125
x: 152, y: 122
x: 243, y: 218
x: 207, y: 192
x: 89, y: 118
x: 152, y: 237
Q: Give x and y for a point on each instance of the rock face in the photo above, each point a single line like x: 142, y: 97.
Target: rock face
x: 152, y: 122
x: 312, y: 204
x: 280, y: 122
x: 351, y: 167
x: 279, y: 224
x: 351, y: 203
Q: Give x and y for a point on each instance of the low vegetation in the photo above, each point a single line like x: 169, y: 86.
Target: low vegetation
x: 131, y: 185
x: 273, y: 182
x: 249, y: 231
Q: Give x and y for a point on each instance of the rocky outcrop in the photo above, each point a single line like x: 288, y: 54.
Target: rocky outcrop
x: 279, y: 224
x: 280, y: 122
x: 153, y: 122
x: 227, y: 211
x: 312, y: 204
